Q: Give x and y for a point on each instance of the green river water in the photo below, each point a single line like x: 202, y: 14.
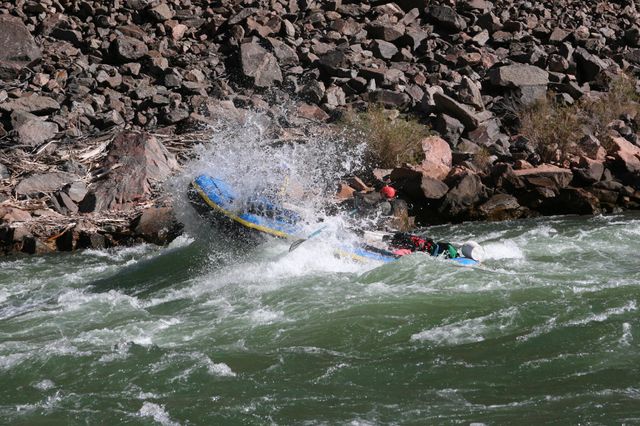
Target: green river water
x: 546, y: 331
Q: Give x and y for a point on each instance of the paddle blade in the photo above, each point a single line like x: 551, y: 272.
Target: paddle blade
x: 296, y: 244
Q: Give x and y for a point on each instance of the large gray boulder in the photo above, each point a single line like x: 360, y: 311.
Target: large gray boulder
x: 260, y: 66
x: 17, y: 48
x: 519, y: 75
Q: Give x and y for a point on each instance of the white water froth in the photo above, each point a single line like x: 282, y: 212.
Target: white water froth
x: 158, y: 413
x: 507, y: 249
x: 469, y: 330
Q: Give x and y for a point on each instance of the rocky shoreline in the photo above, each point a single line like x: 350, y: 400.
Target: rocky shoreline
x: 100, y: 103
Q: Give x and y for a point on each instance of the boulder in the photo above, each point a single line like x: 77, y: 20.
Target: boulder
x: 589, y: 171
x: 558, y: 176
x: 384, y: 50
x: 34, y: 104
x: 312, y: 112
x: 32, y: 130
x: 588, y: 65
x: 157, y: 225
x: 463, y: 196
x: 44, y: 183
x: 450, y: 106
x: 519, y: 75
x: 135, y: 162
x: 128, y: 49
x: 627, y: 155
x: 433, y: 189
x: 12, y: 214
x: 17, y: 47
x: 260, y: 66
x: 502, y: 207
x: 161, y: 12
x: 572, y: 201
x: 437, y: 157
x: 446, y: 17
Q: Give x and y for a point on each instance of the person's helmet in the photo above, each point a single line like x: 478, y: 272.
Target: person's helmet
x: 388, y: 191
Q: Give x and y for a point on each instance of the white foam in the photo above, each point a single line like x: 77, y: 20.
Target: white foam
x: 469, y: 330
x: 506, y: 249
x: 627, y: 336
x: 44, y: 385
x: 158, y: 413
x: 265, y: 316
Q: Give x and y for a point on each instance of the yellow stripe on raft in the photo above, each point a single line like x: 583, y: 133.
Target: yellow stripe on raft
x: 238, y: 219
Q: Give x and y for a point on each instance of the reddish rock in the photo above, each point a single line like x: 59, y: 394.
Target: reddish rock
x: 312, y: 112
x: 12, y: 214
x: 136, y: 162
x: 626, y: 154
x: 438, y: 158
x: 344, y: 192
x: 34, y: 104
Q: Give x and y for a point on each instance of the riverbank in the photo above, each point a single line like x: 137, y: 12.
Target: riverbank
x: 100, y: 104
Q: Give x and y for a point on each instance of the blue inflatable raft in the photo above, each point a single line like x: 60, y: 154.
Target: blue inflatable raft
x: 261, y: 217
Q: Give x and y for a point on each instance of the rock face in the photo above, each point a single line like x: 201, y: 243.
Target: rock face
x: 17, y: 47
x: 260, y: 66
x: 136, y: 162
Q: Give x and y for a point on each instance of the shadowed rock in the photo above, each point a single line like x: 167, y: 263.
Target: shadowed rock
x: 17, y: 47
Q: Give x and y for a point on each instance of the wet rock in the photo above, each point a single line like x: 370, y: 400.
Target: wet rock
x: 91, y: 240
x: 34, y: 104
x: 572, y: 201
x: 136, y: 162
x: 502, y: 207
x: 260, y: 66
x: 463, y: 196
x: 312, y: 112
x: 32, y: 130
x: 157, y: 225
x: 17, y: 47
x: 44, y: 183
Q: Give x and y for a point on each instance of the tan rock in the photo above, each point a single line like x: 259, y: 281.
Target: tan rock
x: 438, y: 158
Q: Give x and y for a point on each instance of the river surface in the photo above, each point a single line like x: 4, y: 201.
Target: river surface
x: 546, y: 331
